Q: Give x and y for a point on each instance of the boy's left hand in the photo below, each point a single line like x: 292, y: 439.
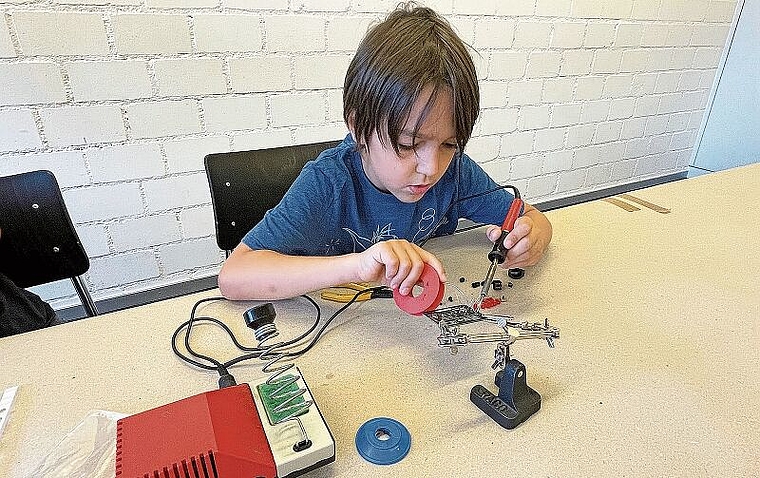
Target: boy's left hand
x: 526, y: 242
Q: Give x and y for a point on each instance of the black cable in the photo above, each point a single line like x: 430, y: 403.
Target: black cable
x: 268, y: 349
x: 515, y: 191
x: 182, y: 327
x: 516, y: 194
x: 190, y: 328
x: 332, y: 317
x: 226, y: 378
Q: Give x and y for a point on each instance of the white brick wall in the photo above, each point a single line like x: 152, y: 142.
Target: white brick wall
x: 187, y: 155
x: 228, y: 33
x: 189, y: 255
x: 58, y: 33
x: 295, y: 33
x: 125, y: 162
x: 297, y: 109
x: 176, y: 192
x: 31, y: 83
x: 67, y: 166
x: 151, y: 34
x: 123, y: 269
x: 142, y: 232
x: 86, y: 80
x: 197, y: 222
x: 78, y: 125
x: 6, y: 46
x: 189, y: 77
x: 320, y: 72
x: 163, y: 118
x: 18, y: 132
x: 122, y: 100
x: 260, y: 74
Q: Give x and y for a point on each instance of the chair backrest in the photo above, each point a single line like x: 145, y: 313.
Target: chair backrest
x: 246, y: 184
x: 38, y: 242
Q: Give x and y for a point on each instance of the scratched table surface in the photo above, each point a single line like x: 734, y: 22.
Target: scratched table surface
x: 655, y: 374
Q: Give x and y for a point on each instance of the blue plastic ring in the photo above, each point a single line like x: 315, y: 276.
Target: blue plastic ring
x: 383, y: 441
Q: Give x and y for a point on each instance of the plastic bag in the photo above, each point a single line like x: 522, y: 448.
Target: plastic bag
x: 87, y: 451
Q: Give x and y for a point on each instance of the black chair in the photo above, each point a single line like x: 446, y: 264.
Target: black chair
x: 246, y: 184
x: 39, y: 243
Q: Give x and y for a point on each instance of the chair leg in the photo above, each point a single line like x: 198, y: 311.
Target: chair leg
x: 85, y: 297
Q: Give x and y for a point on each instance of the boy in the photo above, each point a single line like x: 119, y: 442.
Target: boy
x: 359, y: 211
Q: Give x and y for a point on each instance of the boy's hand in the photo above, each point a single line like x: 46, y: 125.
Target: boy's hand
x: 525, y: 242
x: 397, y: 263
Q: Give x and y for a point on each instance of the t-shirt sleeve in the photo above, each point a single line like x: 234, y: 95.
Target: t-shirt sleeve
x: 296, y: 225
x: 488, y: 208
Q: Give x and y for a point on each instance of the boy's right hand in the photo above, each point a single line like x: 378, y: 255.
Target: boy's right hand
x: 397, y: 263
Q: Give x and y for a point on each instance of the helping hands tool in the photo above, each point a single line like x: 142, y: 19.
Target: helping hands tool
x: 516, y: 401
x: 499, y: 253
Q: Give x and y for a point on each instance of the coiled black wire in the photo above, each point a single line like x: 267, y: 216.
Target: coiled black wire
x: 206, y: 362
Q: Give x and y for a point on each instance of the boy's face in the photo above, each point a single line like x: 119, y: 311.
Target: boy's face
x: 422, y: 160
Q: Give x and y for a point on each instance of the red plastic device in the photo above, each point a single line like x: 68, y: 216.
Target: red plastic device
x: 431, y: 295
x: 210, y: 435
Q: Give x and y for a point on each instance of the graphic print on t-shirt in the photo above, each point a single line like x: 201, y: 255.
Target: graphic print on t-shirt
x: 364, y: 243
x: 425, y: 227
x: 425, y: 224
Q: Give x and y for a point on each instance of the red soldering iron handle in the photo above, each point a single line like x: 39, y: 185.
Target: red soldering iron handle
x: 499, y: 252
x: 512, y: 215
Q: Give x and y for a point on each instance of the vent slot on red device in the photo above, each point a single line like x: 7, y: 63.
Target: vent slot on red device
x: 202, y: 467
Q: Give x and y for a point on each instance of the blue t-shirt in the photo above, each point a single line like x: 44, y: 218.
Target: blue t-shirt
x: 332, y: 208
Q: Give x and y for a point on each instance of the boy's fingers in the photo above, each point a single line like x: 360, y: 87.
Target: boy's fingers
x: 411, y: 279
x: 390, y: 263
x: 396, y: 260
x: 493, y: 233
x: 437, y: 265
x: 404, y: 262
x: 522, y: 229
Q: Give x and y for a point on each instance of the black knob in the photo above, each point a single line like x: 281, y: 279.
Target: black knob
x: 516, y: 273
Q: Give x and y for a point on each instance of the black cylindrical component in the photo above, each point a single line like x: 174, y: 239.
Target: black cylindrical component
x: 516, y: 273
x: 259, y: 316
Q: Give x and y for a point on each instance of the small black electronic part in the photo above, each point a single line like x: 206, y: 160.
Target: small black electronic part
x: 475, y: 285
x: 462, y: 279
x: 516, y: 273
x: 496, y: 284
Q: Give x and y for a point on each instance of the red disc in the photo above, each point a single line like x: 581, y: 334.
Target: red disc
x: 428, y: 299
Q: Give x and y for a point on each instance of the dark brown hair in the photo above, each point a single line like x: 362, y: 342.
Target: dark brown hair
x: 412, y: 48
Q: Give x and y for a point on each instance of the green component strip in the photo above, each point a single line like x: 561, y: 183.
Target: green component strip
x: 270, y: 403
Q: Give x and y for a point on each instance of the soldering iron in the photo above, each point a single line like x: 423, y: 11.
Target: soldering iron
x: 499, y: 252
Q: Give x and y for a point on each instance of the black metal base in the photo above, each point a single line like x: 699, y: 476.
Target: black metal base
x: 516, y: 401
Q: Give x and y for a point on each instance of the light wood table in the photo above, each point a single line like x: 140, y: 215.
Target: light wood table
x: 656, y: 373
